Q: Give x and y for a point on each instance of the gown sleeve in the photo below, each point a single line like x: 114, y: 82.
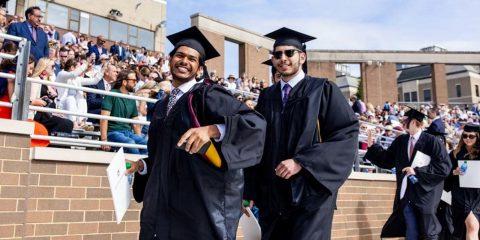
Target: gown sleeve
x: 439, y: 168
x: 245, y: 129
x: 384, y: 158
x: 330, y: 162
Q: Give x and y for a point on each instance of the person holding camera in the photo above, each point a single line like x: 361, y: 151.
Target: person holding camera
x: 44, y: 96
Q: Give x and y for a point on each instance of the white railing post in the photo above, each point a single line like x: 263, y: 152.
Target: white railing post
x: 21, y: 97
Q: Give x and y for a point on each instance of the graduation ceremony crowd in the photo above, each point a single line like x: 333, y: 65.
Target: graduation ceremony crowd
x: 286, y: 145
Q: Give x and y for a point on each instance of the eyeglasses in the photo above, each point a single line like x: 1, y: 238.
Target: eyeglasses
x: 469, y: 136
x: 38, y: 16
x: 289, y: 53
x: 131, y: 79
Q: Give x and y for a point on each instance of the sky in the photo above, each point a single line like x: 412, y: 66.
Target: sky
x: 342, y: 24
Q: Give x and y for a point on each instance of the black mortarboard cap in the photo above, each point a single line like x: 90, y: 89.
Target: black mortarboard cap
x: 268, y: 62
x: 415, y: 114
x: 193, y: 38
x: 470, y: 127
x: 288, y: 37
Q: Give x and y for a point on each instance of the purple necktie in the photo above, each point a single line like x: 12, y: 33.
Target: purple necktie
x: 285, y: 92
x: 34, y: 34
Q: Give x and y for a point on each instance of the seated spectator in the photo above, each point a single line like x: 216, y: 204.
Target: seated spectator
x: 69, y: 38
x: 71, y: 99
x: 94, y: 101
x: 125, y: 108
x: 230, y: 84
x: 44, y: 96
x: 7, y: 86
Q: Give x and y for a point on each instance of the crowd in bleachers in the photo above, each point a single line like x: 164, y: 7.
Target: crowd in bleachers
x: 79, y: 60
x: 82, y: 61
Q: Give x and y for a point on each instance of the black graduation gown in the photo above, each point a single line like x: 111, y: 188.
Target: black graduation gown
x: 186, y: 197
x: 464, y: 200
x: 423, y: 196
x: 304, y: 203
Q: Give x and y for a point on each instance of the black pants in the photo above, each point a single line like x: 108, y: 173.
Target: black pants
x: 54, y: 123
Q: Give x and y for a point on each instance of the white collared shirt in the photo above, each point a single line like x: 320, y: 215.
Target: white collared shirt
x: 416, y: 136
x: 293, y: 82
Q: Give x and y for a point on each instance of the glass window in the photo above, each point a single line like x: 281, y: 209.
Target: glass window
x: 414, y: 97
x: 84, y: 23
x: 477, y: 92
x: 118, y: 31
x: 132, y: 35
x: 57, y: 15
x: 427, y: 95
x: 74, y: 14
x: 145, y: 39
x: 74, y: 26
x: 458, y: 89
x: 41, y: 4
x: 406, y: 97
x: 99, y: 26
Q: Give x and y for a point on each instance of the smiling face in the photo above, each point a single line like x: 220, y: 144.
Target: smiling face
x: 469, y: 138
x: 185, y: 64
x: 288, y: 65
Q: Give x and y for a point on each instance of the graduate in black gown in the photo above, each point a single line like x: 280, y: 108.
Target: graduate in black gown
x: 186, y: 196
x: 414, y: 208
x: 311, y: 145
x: 465, y: 201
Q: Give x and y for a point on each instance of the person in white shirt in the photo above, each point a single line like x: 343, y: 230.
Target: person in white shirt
x: 231, y: 85
x: 71, y: 99
x: 69, y: 37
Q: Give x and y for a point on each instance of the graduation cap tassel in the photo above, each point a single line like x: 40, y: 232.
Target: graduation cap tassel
x: 304, y: 67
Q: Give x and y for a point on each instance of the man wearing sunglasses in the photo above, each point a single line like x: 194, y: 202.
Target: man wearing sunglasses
x: 313, y: 139
x: 419, y: 188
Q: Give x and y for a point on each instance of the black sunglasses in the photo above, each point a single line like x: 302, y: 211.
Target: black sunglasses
x: 288, y: 53
x: 469, y: 136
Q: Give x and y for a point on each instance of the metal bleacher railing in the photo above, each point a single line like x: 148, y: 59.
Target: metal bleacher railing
x: 20, y: 104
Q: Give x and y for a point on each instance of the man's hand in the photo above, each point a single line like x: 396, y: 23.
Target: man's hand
x: 408, y: 171
x: 244, y: 209
x: 105, y: 147
x: 287, y: 168
x: 370, y: 138
x: 195, y: 138
x: 135, y: 166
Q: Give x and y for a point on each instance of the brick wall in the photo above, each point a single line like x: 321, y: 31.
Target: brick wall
x: 65, y: 200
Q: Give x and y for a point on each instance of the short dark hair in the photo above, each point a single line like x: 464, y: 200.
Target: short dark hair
x: 64, y: 49
x: 70, y: 63
x: 31, y: 9
x: 122, y: 75
x: 10, y: 46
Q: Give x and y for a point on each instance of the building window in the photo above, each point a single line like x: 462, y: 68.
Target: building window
x: 119, y: 31
x: 57, y: 15
x: 132, y: 35
x: 74, y: 20
x: 477, y: 91
x: 99, y: 26
x: 414, y: 97
x: 427, y: 95
x: 84, y: 23
x: 406, y: 97
x: 145, y: 39
x: 458, y: 89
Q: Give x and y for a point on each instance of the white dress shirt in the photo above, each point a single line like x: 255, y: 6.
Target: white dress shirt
x: 415, y: 137
x: 293, y: 82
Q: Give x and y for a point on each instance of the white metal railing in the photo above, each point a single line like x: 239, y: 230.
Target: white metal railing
x: 73, y: 141
x: 88, y: 115
x: 245, y: 93
x: 6, y: 104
